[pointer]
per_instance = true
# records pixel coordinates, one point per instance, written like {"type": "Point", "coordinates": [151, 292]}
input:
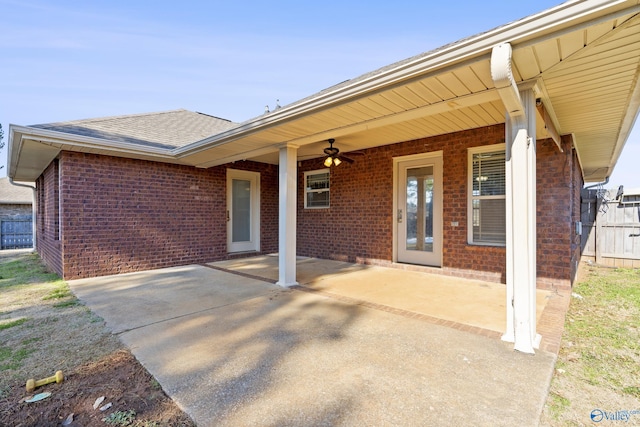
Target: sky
{"type": "Point", "coordinates": [66, 60]}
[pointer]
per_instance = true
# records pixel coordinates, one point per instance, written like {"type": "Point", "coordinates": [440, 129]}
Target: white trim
{"type": "Point", "coordinates": [306, 191]}
{"type": "Point", "coordinates": [470, 152]}
{"type": "Point", "coordinates": [503, 79]}
{"type": "Point", "coordinates": [396, 171]}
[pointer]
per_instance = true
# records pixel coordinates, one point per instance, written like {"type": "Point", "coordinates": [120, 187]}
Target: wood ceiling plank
{"type": "Point", "coordinates": [547, 54]}
{"type": "Point", "coordinates": [453, 84]}
{"type": "Point", "coordinates": [572, 43]}
{"type": "Point", "coordinates": [483, 71]}
{"type": "Point", "coordinates": [481, 112]}
{"type": "Point", "coordinates": [587, 79]}
{"type": "Point", "coordinates": [597, 31]}
{"type": "Point", "coordinates": [407, 93]}
{"type": "Point", "coordinates": [441, 91]}
{"type": "Point", "coordinates": [526, 62]}
{"type": "Point", "coordinates": [393, 97]}
{"type": "Point", "coordinates": [425, 93]}
{"type": "Point", "coordinates": [470, 79]}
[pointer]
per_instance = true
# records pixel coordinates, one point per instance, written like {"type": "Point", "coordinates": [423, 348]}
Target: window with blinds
{"type": "Point", "coordinates": [316, 189]}
{"type": "Point", "coordinates": [487, 214]}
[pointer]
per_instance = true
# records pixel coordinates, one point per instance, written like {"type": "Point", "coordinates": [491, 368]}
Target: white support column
{"type": "Point", "coordinates": [287, 216]}
{"type": "Point", "coordinates": [521, 226]}
{"type": "Point", "coordinates": [520, 170]}
{"type": "Point", "coordinates": [509, 334]}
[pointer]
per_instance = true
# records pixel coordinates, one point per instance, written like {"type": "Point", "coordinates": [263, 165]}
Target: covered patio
{"type": "Point", "coordinates": [567, 75]}
{"type": "Point", "coordinates": [231, 348]}
{"type": "Point", "coordinates": [468, 305]}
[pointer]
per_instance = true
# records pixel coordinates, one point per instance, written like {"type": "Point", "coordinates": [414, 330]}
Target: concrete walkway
{"type": "Point", "coordinates": [234, 350]}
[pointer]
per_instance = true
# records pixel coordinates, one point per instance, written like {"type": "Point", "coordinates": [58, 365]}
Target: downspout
{"type": "Point", "coordinates": [598, 205]}
{"type": "Point", "coordinates": [33, 208]}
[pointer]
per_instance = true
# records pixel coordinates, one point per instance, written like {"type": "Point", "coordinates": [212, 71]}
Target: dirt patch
{"type": "Point", "coordinates": [43, 329]}
{"type": "Point", "coordinates": [118, 377]}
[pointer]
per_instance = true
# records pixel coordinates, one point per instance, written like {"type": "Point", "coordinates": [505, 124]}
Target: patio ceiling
{"type": "Point", "coordinates": [583, 58]}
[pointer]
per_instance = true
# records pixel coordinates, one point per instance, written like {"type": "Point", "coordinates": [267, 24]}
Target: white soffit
{"type": "Point", "coordinates": [590, 80]}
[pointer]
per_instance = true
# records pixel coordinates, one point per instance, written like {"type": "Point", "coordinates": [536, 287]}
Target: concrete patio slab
{"type": "Point", "coordinates": [133, 300]}
{"type": "Point", "coordinates": [470, 302]}
{"type": "Point", "coordinates": [245, 352]}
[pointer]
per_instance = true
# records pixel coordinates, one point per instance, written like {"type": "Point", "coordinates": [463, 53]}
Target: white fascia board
{"type": "Point", "coordinates": [535, 26]}
{"type": "Point", "coordinates": [11, 163]}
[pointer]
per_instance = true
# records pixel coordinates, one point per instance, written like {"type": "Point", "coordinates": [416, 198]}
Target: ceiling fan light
{"type": "Point", "coordinates": [328, 161]}
{"type": "Point", "coordinates": [336, 161]}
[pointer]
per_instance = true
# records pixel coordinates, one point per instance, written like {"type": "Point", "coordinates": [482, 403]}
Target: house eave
{"type": "Point", "coordinates": [526, 30]}
{"type": "Point", "coordinates": [310, 121]}
{"type": "Point", "coordinates": [48, 144]}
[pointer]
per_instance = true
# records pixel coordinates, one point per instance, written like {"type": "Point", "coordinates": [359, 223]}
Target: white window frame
{"type": "Point", "coordinates": [308, 190]}
{"type": "Point", "coordinates": [471, 197]}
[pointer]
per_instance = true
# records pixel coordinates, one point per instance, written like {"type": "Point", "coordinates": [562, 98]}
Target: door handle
{"type": "Point", "coordinates": [228, 218]}
{"type": "Point", "coordinates": [399, 215]}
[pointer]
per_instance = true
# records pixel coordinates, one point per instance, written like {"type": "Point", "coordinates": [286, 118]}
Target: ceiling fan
{"type": "Point", "coordinates": [334, 158]}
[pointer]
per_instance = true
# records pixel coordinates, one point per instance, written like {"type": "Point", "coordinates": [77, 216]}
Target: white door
{"type": "Point", "coordinates": [419, 210]}
{"type": "Point", "coordinates": [243, 211]}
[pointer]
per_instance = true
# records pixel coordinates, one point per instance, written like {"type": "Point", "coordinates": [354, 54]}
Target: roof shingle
{"type": "Point", "coordinates": [13, 195]}
{"type": "Point", "coordinates": [167, 129]}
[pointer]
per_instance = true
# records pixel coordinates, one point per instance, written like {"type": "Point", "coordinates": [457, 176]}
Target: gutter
{"type": "Point", "coordinates": [33, 208]}
{"type": "Point", "coordinates": [603, 183]}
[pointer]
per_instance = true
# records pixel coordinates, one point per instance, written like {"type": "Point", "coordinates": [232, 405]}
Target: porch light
{"type": "Point", "coordinates": [334, 158]}
{"type": "Point", "coordinates": [329, 161]}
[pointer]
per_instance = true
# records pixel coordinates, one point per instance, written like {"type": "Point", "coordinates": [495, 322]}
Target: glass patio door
{"type": "Point", "coordinates": [243, 211]}
{"type": "Point", "coordinates": [419, 214]}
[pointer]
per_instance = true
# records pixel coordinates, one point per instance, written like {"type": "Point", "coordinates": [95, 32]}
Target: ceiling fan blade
{"type": "Point", "coordinates": [347, 159]}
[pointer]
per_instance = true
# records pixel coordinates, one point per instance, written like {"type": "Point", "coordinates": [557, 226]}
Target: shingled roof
{"type": "Point", "coordinates": [13, 195]}
{"type": "Point", "coordinates": [166, 129]}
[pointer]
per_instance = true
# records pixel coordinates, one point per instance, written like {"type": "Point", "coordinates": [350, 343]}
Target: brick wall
{"type": "Point", "coordinates": [358, 227]}
{"type": "Point", "coordinates": [47, 218]}
{"type": "Point", "coordinates": [558, 208]}
{"type": "Point", "coordinates": [120, 215]}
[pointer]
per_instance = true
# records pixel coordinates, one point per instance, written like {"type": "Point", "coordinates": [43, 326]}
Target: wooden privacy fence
{"type": "Point", "coordinates": [611, 227]}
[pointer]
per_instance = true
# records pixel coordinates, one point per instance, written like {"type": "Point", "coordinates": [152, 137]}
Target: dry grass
{"type": "Point", "coordinates": [598, 367]}
{"type": "Point", "coordinates": [43, 328]}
